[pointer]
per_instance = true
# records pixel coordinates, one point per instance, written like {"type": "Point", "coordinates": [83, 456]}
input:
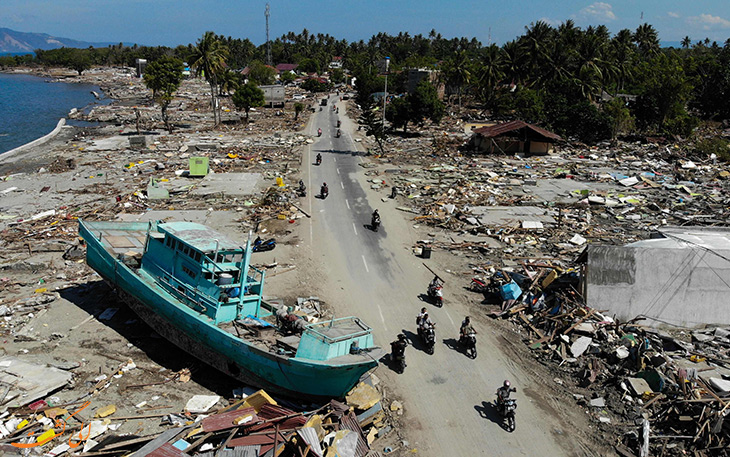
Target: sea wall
{"type": "Point", "coordinates": [7, 156]}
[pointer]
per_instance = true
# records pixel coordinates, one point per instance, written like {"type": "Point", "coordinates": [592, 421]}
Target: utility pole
{"type": "Point", "coordinates": [385, 96]}
{"type": "Point", "coordinates": [268, 43]}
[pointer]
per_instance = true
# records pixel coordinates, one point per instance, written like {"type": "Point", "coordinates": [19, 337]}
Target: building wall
{"type": "Point", "coordinates": [273, 95]}
{"type": "Point", "coordinates": [676, 286]}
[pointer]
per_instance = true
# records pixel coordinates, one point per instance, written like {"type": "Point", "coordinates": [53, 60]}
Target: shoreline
{"type": "Point", "coordinates": [16, 153]}
{"type": "Point", "coordinates": [11, 154]}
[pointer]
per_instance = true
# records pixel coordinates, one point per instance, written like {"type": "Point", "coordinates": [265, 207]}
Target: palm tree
{"type": "Point", "coordinates": [514, 62]}
{"type": "Point", "coordinates": [229, 82]}
{"type": "Point", "coordinates": [622, 51]}
{"type": "Point", "coordinates": [458, 72]}
{"type": "Point", "coordinates": [492, 64]}
{"type": "Point", "coordinates": [537, 43]}
{"type": "Point", "coordinates": [686, 42]}
{"type": "Point", "coordinates": [209, 59]}
{"type": "Point", "coordinates": [647, 39]}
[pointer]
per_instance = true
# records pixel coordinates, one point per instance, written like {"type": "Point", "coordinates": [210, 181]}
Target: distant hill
{"type": "Point", "coordinates": [13, 41]}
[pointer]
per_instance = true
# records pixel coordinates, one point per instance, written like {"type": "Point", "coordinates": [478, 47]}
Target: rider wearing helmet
{"type": "Point", "coordinates": [504, 391]}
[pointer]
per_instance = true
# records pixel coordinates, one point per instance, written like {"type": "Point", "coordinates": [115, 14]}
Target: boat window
{"type": "Point", "coordinates": [188, 271]}
{"type": "Point", "coordinates": [197, 256]}
{"type": "Point", "coordinates": [173, 243]}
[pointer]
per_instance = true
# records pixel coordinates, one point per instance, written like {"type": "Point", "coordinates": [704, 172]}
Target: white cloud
{"type": "Point", "coordinates": [709, 22]}
{"type": "Point", "coordinates": [598, 10]}
{"type": "Point", "coordinates": [672, 14]}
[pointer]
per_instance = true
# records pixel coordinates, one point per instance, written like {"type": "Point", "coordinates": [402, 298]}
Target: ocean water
{"type": "Point", "coordinates": [30, 107]}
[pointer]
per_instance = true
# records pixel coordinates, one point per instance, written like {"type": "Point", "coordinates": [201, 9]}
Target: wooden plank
{"type": "Point", "coordinates": [529, 324]}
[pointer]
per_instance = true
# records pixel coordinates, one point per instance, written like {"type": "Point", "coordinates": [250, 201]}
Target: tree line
{"type": "Point", "coordinates": [582, 83]}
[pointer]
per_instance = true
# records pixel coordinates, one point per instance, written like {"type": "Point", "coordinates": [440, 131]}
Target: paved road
{"type": "Point", "coordinates": [375, 276]}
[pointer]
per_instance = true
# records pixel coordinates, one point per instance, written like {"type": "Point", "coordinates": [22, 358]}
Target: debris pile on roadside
{"type": "Point", "coordinates": [663, 393]}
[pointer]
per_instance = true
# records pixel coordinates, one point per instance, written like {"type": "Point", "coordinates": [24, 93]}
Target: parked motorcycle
{"type": "Point", "coordinates": [436, 295]}
{"type": "Point", "coordinates": [260, 245]}
{"type": "Point", "coordinates": [470, 345]}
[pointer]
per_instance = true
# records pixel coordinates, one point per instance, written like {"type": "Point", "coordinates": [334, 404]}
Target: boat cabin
{"type": "Point", "coordinates": [204, 269]}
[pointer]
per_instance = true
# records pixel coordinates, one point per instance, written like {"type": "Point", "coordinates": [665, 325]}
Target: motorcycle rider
{"type": "Point", "coordinates": [375, 218]}
{"type": "Point", "coordinates": [319, 132]}
{"type": "Point", "coordinates": [302, 188]}
{"type": "Point", "coordinates": [319, 158]}
{"type": "Point", "coordinates": [425, 324]}
{"type": "Point", "coordinates": [466, 329]}
{"type": "Point", "coordinates": [324, 190]}
{"type": "Point", "coordinates": [398, 348]}
{"type": "Point", "coordinates": [420, 316]}
{"type": "Point", "coordinates": [435, 282]}
{"type": "Point", "coordinates": [503, 393]}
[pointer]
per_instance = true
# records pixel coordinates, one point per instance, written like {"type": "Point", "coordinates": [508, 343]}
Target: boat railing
{"type": "Point", "coordinates": [312, 329]}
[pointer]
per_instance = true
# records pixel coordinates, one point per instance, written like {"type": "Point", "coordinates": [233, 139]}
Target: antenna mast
{"type": "Point", "coordinates": [268, 43]}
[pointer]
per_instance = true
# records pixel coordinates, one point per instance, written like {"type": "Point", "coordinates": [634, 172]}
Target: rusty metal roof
{"type": "Point", "coordinates": [501, 129]}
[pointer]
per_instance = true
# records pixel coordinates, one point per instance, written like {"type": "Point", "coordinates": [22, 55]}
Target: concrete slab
{"type": "Point", "coordinates": [28, 381]}
{"type": "Point", "coordinates": [638, 386]}
{"type": "Point", "coordinates": [113, 143]}
{"type": "Point", "coordinates": [500, 215]}
{"type": "Point", "coordinates": [228, 184]}
{"type": "Point", "coordinates": [559, 190]}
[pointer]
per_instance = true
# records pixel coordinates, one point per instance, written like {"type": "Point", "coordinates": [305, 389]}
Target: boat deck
{"type": "Point", "coordinates": [121, 241]}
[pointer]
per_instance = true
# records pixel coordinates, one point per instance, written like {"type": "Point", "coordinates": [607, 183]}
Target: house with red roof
{"type": "Point", "coordinates": [514, 137]}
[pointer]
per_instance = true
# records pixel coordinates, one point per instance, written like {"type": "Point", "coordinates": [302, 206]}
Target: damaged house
{"type": "Point", "coordinates": [681, 276]}
{"type": "Point", "coordinates": [513, 137]}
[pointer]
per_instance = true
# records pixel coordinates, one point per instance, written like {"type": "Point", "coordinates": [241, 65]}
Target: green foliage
{"type": "Point", "coordinates": [248, 96]}
{"type": "Point", "coordinates": [308, 65]}
{"type": "Point", "coordinates": [425, 104]}
{"type": "Point", "coordinates": [208, 59]}
{"type": "Point", "coordinates": [664, 91]}
{"type": "Point", "coordinates": [315, 85]}
{"type": "Point", "coordinates": [619, 117]}
{"type": "Point", "coordinates": [337, 75]}
{"type": "Point", "coordinates": [164, 77]}
{"type": "Point", "coordinates": [298, 108]}
{"type": "Point", "coordinates": [717, 146]}
{"type": "Point", "coordinates": [261, 74]}
{"type": "Point", "coordinates": [372, 119]}
{"type": "Point", "coordinates": [399, 112]}
{"type": "Point", "coordinates": [287, 77]}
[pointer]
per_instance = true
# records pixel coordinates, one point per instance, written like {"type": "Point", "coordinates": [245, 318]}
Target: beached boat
{"type": "Point", "coordinates": [196, 287]}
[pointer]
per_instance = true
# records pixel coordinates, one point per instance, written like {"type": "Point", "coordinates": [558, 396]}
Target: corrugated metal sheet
{"type": "Point", "coordinates": [349, 422]}
{"type": "Point", "coordinates": [241, 451]}
{"type": "Point", "coordinates": [501, 129]}
{"type": "Point", "coordinates": [167, 450]}
{"type": "Point", "coordinates": [224, 421]}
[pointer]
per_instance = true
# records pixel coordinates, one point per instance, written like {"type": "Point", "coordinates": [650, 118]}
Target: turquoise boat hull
{"type": "Point", "coordinates": [197, 334]}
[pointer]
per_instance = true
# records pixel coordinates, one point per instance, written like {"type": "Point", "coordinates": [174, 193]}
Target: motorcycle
{"type": "Point", "coordinates": [338, 124]}
{"type": "Point", "coordinates": [436, 294]}
{"type": "Point", "coordinates": [470, 345]}
{"type": "Point", "coordinates": [428, 336]}
{"type": "Point", "coordinates": [319, 132]}
{"type": "Point", "coordinates": [324, 192]}
{"type": "Point", "coordinates": [338, 133]}
{"type": "Point", "coordinates": [319, 159]}
{"type": "Point", "coordinates": [507, 410]}
{"type": "Point", "coordinates": [260, 245]}
{"type": "Point", "coordinates": [302, 190]}
{"type": "Point", "coordinates": [375, 223]}
{"type": "Point", "coordinates": [398, 355]}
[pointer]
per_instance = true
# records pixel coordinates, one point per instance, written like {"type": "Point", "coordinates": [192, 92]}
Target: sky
{"type": "Point", "coordinates": [173, 22]}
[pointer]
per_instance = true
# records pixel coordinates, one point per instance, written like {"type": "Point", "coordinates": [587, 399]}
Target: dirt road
{"type": "Point", "coordinates": [447, 397]}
